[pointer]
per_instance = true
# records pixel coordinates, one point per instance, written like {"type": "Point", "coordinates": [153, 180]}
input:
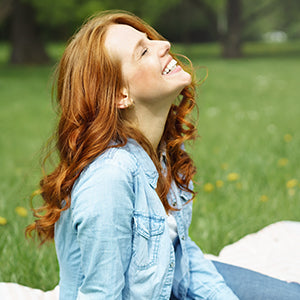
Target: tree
{"type": "Point", "coordinates": [5, 9]}
{"type": "Point", "coordinates": [26, 17]}
{"type": "Point", "coordinates": [27, 47]}
{"type": "Point", "coordinates": [230, 21]}
{"type": "Point", "coordinates": [231, 40]}
{"type": "Point", "coordinates": [243, 20]}
{"type": "Point", "coordinates": [189, 21]}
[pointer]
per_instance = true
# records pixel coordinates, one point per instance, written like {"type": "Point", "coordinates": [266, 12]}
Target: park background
{"type": "Point", "coordinates": [247, 155]}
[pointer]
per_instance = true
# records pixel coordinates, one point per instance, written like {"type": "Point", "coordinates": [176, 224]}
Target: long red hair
{"type": "Point", "coordinates": [88, 84]}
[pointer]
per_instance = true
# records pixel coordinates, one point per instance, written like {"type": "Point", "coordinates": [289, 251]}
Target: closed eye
{"type": "Point", "coordinates": [144, 51]}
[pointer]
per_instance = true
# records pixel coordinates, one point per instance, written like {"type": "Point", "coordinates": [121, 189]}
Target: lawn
{"type": "Point", "coordinates": [247, 155]}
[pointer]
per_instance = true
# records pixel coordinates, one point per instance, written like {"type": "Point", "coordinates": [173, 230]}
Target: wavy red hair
{"type": "Point", "coordinates": [88, 83]}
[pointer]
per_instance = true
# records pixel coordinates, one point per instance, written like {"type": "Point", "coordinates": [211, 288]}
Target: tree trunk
{"type": "Point", "coordinates": [5, 9]}
{"type": "Point", "coordinates": [232, 40]}
{"type": "Point", "coordinates": [27, 47]}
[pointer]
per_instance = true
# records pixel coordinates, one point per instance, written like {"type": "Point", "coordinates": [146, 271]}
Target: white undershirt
{"type": "Point", "coordinates": [172, 227]}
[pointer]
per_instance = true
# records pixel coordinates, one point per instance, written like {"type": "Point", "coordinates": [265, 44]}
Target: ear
{"type": "Point", "coordinates": [124, 101]}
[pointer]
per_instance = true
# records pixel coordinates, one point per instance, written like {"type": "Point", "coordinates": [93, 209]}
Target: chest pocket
{"type": "Point", "coordinates": [147, 237]}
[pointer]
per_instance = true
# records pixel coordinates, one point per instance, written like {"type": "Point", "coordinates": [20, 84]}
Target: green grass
{"type": "Point", "coordinates": [246, 108]}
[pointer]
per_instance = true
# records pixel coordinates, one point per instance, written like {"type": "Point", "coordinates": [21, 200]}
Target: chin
{"type": "Point", "coordinates": [186, 79]}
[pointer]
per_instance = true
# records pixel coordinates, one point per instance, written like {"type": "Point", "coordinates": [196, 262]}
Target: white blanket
{"type": "Point", "coordinates": [274, 251]}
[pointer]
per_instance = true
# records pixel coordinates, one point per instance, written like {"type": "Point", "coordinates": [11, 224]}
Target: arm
{"type": "Point", "coordinates": [204, 277]}
{"type": "Point", "coordinates": [102, 216]}
{"type": "Point", "coordinates": [205, 281]}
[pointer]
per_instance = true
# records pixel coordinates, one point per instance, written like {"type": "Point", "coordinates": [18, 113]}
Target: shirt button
{"type": "Point", "coordinates": [183, 237]}
{"type": "Point", "coordinates": [172, 264]}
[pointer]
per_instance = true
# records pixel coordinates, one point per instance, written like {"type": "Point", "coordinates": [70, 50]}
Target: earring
{"type": "Point", "coordinates": [126, 103]}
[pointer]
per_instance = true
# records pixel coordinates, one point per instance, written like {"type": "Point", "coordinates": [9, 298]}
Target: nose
{"type": "Point", "coordinates": [163, 48]}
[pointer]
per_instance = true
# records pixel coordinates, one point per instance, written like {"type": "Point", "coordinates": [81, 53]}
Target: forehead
{"type": "Point", "coordinates": [121, 39]}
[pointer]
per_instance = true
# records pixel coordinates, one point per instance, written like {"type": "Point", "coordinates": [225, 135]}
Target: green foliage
{"type": "Point", "coordinates": [149, 10]}
{"type": "Point", "coordinates": [200, 20]}
{"type": "Point", "coordinates": [270, 15]}
{"type": "Point", "coordinates": [60, 19]}
{"type": "Point", "coordinates": [56, 12]}
{"type": "Point", "coordinates": [248, 125]}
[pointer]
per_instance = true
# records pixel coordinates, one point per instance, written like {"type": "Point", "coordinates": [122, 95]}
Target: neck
{"type": "Point", "coordinates": [151, 123]}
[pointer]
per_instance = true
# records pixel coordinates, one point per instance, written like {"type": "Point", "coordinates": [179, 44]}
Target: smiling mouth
{"type": "Point", "coordinates": [170, 67]}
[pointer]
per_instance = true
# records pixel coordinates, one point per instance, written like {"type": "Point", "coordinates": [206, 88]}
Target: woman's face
{"type": "Point", "coordinates": [148, 69]}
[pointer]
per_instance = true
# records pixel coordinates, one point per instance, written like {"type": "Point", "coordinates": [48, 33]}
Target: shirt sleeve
{"type": "Point", "coordinates": [205, 281]}
{"type": "Point", "coordinates": [102, 211]}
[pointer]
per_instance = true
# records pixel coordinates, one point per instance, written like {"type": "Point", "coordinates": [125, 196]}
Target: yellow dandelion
{"type": "Point", "coordinates": [282, 162]}
{"type": "Point", "coordinates": [208, 187]}
{"type": "Point", "coordinates": [291, 192]}
{"type": "Point", "coordinates": [292, 183]}
{"type": "Point", "coordinates": [233, 176]}
{"type": "Point", "coordinates": [21, 211]}
{"type": "Point", "coordinates": [224, 166]}
{"type": "Point", "coordinates": [238, 185]}
{"type": "Point", "coordinates": [3, 221]}
{"type": "Point", "coordinates": [264, 198]}
{"type": "Point", "coordinates": [219, 183]}
{"type": "Point", "coordinates": [288, 137]}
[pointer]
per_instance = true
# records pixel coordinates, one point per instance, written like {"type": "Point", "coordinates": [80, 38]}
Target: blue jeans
{"type": "Point", "coordinates": [251, 285]}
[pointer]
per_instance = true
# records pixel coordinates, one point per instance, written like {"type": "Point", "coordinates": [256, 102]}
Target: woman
{"type": "Point", "coordinates": [119, 202]}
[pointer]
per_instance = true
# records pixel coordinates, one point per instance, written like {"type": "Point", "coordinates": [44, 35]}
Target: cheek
{"type": "Point", "coordinates": [143, 80]}
{"type": "Point", "coordinates": [137, 77]}
{"type": "Point", "coordinates": [146, 71]}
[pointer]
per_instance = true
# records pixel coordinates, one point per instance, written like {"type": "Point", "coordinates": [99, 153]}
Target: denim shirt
{"type": "Point", "coordinates": [113, 242]}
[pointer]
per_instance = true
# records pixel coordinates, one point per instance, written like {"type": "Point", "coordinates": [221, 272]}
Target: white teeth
{"type": "Point", "coordinates": [171, 66]}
